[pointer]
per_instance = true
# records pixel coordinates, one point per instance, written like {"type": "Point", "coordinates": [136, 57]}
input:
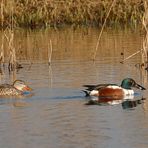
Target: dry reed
{"type": "Point", "coordinates": [97, 45]}
{"type": "Point", "coordinates": [144, 50]}
{"type": "Point", "coordinates": [2, 60]}
{"type": "Point", "coordinates": [42, 13]}
{"type": "Point", "coordinates": [144, 53]}
{"type": "Point", "coordinates": [2, 24]}
{"type": "Point", "coordinates": [145, 42]}
{"type": "Point", "coordinates": [131, 55]}
{"type": "Point", "coordinates": [12, 54]}
{"type": "Point", "coordinates": [9, 36]}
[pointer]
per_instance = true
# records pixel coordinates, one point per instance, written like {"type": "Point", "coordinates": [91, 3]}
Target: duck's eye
{"type": "Point", "coordinates": [131, 82]}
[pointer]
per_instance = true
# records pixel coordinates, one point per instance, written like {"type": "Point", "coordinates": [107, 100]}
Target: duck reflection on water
{"type": "Point", "coordinates": [127, 102]}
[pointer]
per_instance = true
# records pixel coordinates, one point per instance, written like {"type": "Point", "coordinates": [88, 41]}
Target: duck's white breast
{"type": "Point", "coordinates": [94, 93]}
{"type": "Point", "coordinates": [128, 92]}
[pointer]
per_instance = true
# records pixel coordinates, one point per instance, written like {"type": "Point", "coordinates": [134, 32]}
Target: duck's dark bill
{"type": "Point", "coordinates": [140, 87]}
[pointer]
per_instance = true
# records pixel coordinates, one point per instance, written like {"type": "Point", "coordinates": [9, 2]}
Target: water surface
{"type": "Point", "coordinates": [56, 116]}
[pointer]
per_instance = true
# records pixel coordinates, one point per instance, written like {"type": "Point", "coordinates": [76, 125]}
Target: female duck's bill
{"type": "Point", "coordinates": [18, 88]}
{"type": "Point", "coordinates": [113, 90]}
{"type": "Point", "coordinates": [21, 86]}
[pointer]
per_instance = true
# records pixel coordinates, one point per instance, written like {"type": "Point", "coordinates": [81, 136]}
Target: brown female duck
{"type": "Point", "coordinates": [16, 89]}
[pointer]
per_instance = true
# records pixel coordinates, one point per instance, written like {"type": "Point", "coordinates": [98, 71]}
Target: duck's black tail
{"type": "Point", "coordinates": [87, 93]}
{"type": "Point", "coordinates": [90, 87]}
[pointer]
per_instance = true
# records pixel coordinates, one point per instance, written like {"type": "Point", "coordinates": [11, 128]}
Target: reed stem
{"type": "Point", "coordinates": [2, 24]}
{"type": "Point", "coordinates": [2, 13]}
{"type": "Point", "coordinates": [132, 55]}
{"type": "Point", "coordinates": [98, 41]}
{"type": "Point", "coordinates": [145, 42]}
{"type": "Point", "coordinates": [2, 60]}
{"type": "Point", "coordinates": [50, 52]}
{"type": "Point", "coordinates": [12, 55]}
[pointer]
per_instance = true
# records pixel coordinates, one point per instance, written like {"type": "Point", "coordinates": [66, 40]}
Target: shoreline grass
{"type": "Point", "coordinates": [51, 13]}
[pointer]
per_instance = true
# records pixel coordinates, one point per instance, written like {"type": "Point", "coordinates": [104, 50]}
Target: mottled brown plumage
{"type": "Point", "coordinates": [16, 89]}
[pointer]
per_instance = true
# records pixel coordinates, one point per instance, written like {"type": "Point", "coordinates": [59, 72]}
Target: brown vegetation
{"type": "Point", "coordinates": [42, 13]}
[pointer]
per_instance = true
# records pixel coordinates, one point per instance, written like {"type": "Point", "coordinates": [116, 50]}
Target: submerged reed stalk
{"type": "Point", "coordinates": [50, 52]}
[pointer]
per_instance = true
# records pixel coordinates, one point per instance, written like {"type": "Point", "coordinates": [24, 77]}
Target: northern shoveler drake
{"type": "Point", "coordinates": [16, 89]}
{"type": "Point", "coordinates": [113, 91]}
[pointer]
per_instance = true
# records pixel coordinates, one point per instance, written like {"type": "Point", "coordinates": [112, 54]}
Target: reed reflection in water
{"type": "Point", "coordinates": [70, 43]}
{"type": "Point", "coordinates": [56, 116]}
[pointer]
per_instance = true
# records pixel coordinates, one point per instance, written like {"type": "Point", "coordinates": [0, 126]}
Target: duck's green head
{"type": "Point", "coordinates": [128, 83]}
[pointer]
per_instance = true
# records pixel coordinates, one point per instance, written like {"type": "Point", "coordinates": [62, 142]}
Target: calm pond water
{"type": "Point", "coordinates": [56, 115]}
